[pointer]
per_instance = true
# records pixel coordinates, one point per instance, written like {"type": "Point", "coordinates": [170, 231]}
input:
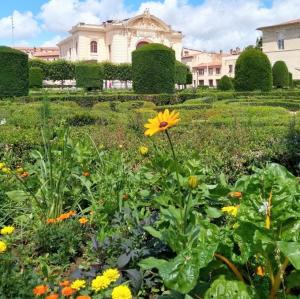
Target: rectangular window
{"type": "Point", "coordinates": [218, 71]}
{"type": "Point", "coordinates": [201, 72]}
{"type": "Point", "coordinates": [230, 68]}
{"type": "Point", "coordinates": [210, 71]}
{"type": "Point", "coordinates": [280, 40]}
{"type": "Point", "coordinates": [201, 82]}
{"type": "Point", "coordinates": [211, 83]}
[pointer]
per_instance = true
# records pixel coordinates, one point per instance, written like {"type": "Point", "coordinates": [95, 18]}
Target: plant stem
{"type": "Point", "coordinates": [231, 266]}
{"type": "Point", "coordinates": [278, 279]}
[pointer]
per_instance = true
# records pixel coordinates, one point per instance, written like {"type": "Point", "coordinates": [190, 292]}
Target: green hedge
{"type": "Point", "coordinates": [280, 74]}
{"type": "Point", "coordinates": [14, 77]}
{"type": "Point", "coordinates": [181, 71]}
{"type": "Point", "coordinates": [89, 76]}
{"type": "Point", "coordinates": [189, 78]}
{"type": "Point", "coordinates": [225, 83]}
{"type": "Point", "coordinates": [35, 77]}
{"type": "Point", "coordinates": [153, 68]}
{"type": "Point", "coordinates": [42, 64]}
{"type": "Point", "coordinates": [253, 71]}
{"type": "Point", "coordinates": [61, 70]}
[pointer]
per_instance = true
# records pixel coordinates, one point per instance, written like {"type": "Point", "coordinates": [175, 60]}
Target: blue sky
{"type": "Point", "coordinates": [206, 24]}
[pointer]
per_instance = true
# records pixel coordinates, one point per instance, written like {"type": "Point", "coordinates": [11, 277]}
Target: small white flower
{"type": "Point", "coordinates": [2, 121]}
{"type": "Point", "coordinates": [264, 207]}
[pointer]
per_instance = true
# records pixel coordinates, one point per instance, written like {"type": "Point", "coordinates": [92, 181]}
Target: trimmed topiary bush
{"type": "Point", "coordinates": [61, 70]}
{"type": "Point", "coordinates": [280, 74]}
{"type": "Point", "coordinates": [153, 69]}
{"type": "Point", "coordinates": [14, 78]}
{"type": "Point", "coordinates": [180, 73]}
{"type": "Point", "coordinates": [42, 64]}
{"type": "Point", "coordinates": [225, 83]}
{"type": "Point", "coordinates": [35, 77]}
{"type": "Point", "coordinates": [253, 71]}
{"type": "Point", "coordinates": [89, 76]}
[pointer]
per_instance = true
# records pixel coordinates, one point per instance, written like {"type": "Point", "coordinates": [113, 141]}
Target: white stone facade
{"type": "Point", "coordinates": [114, 41]}
{"type": "Point", "coordinates": [282, 42]}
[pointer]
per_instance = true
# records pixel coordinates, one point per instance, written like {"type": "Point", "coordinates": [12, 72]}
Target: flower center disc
{"type": "Point", "coordinates": [163, 124]}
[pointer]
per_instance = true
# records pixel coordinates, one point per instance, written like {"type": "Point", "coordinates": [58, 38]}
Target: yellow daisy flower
{"type": "Point", "coordinates": [143, 150]}
{"type": "Point", "coordinates": [3, 247]}
{"type": "Point", "coordinates": [100, 283]}
{"type": "Point", "coordinates": [193, 181]}
{"type": "Point", "coordinates": [232, 210]}
{"type": "Point", "coordinates": [2, 165]}
{"type": "Point", "coordinates": [112, 274]}
{"type": "Point", "coordinates": [78, 284]}
{"type": "Point", "coordinates": [162, 122]}
{"type": "Point", "coordinates": [7, 230]}
{"type": "Point", "coordinates": [121, 292]}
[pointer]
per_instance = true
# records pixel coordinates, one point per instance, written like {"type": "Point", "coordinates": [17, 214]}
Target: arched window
{"type": "Point", "coordinates": [94, 47]}
{"type": "Point", "coordinates": [142, 43]}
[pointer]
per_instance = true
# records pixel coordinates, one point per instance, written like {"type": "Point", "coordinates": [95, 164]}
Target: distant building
{"type": "Point", "coordinates": [44, 53]}
{"type": "Point", "coordinates": [114, 41]}
{"type": "Point", "coordinates": [209, 67]}
{"type": "Point", "coordinates": [282, 42]}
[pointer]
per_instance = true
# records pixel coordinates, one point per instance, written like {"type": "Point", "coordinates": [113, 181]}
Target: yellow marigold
{"type": "Point", "coordinates": [232, 210]}
{"type": "Point", "coordinates": [163, 121]}
{"type": "Point", "coordinates": [121, 292]}
{"type": "Point", "coordinates": [7, 230]}
{"type": "Point", "coordinates": [78, 284]}
{"type": "Point", "coordinates": [40, 290]}
{"type": "Point", "coordinates": [83, 220]}
{"type": "Point", "coordinates": [2, 165]}
{"type": "Point", "coordinates": [3, 247]}
{"type": "Point", "coordinates": [260, 271]}
{"type": "Point", "coordinates": [143, 150]}
{"type": "Point", "coordinates": [6, 170]}
{"type": "Point", "coordinates": [235, 194]}
{"type": "Point", "coordinates": [112, 274]}
{"type": "Point", "coordinates": [193, 181]}
{"type": "Point", "coordinates": [100, 283]}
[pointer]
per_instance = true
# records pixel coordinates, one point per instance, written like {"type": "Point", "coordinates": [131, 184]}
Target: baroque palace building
{"type": "Point", "coordinates": [114, 41]}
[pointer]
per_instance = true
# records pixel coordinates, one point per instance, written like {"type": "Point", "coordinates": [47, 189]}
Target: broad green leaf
{"type": "Point", "coordinates": [227, 289]}
{"type": "Point", "coordinates": [181, 274]}
{"type": "Point", "coordinates": [17, 195]}
{"type": "Point", "coordinates": [292, 251]}
{"type": "Point", "coordinates": [293, 280]}
{"type": "Point", "coordinates": [153, 232]}
{"type": "Point", "coordinates": [213, 212]}
{"type": "Point", "coordinates": [151, 262]}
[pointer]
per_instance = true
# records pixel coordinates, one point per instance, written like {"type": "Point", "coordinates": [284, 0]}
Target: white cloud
{"type": "Point", "coordinates": [61, 15]}
{"type": "Point", "coordinates": [219, 24]}
{"type": "Point", "coordinates": [25, 26]}
{"type": "Point", "coordinates": [52, 42]}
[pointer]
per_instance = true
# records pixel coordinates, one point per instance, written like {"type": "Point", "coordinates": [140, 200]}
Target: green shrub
{"type": "Point", "coordinates": [180, 73]}
{"type": "Point", "coordinates": [89, 76]}
{"type": "Point", "coordinates": [14, 78]}
{"type": "Point", "coordinates": [280, 74]}
{"type": "Point", "coordinates": [153, 67]}
{"type": "Point", "coordinates": [61, 70]}
{"type": "Point", "coordinates": [189, 78]}
{"type": "Point", "coordinates": [291, 81]}
{"type": "Point", "coordinates": [225, 83]}
{"type": "Point", "coordinates": [35, 77]}
{"type": "Point", "coordinates": [80, 120]}
{"type": "Point", "coordinates": [253, 71]}
{"type": "Point", "coordinates": [42, 64]}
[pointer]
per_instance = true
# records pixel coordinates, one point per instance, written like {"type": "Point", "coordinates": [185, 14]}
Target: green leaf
{"type": "Point", "coordinates": [227, 289]}
{"type": "Point", "coordinates": [17, 195]}
{"type": "Point", "coordinates": [213, 212]}
{"type": "Point", "coordinates": [151, 262]}
{"type": "Point", "coordinates": [292, 251]}
{"type": "Point", "coordinates": [181, 274]}
{"type": "Point", "coordinates": [153, 232]}
{"type": "Point", "coordinates": [293, 279]}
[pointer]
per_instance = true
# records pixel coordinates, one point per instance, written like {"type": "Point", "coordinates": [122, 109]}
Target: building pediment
{"type": "Point", "coordinates": [148, 22]}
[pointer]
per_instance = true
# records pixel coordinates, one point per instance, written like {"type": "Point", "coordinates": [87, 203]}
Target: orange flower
{"type": "Point", "coordinates": [67, 291]}
{"type": "Point", "coordinates": [260, 271]}
{"type": "Point", "coordinates": [83, 220]}
{"type": "Point", "coordinates": [235, 194]}
{"type": "Point", "coordinates": [83, 297]}
{"type": "Point", "coordinates": [72, 213]}
{"type": "Point", "coordinates": [51, 220]}
{"type": "Point", "coordinates": [40, 290]}
{"type": "Point", "coordinates": [63, 216]}
{"type": "Point", "coordinates": [64, 283]}
{"type": "Point", "coordinates": [25, 174]}
{"type": "Point", "coordinates": [52, 296]}
{"type": "Point", "coordinates": [86, 173]}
